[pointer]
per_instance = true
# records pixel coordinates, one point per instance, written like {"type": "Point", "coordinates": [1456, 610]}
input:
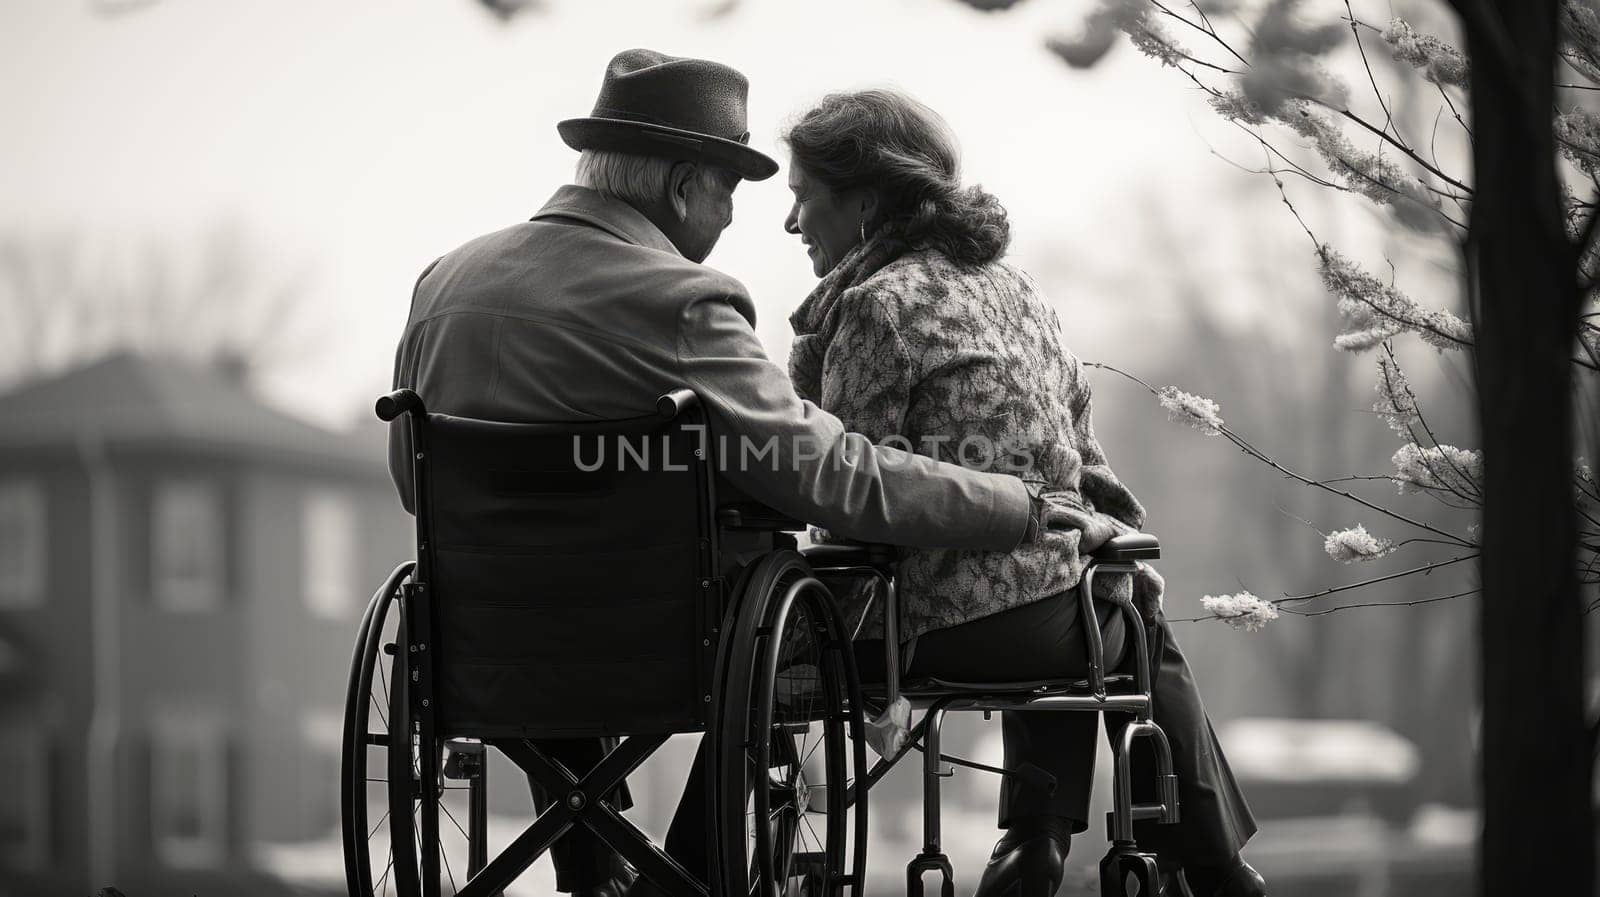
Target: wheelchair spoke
{"type": "Point", "coordinates": [445, 856]}
{"type": "Point", "coordinates": [386, 870]}
{"type": "Point", "coordinates": [793, 731]}
{"type": "Point", "coordinates": [816, 838]}
{"type": "Point", "coordinates": [821, 737]}
{"type": "Point", "coordinates": [383, 681]}
{"type": "Point", "coordinates": [381, 820]}
{"type": "Point", "coordinates": [453, 819]}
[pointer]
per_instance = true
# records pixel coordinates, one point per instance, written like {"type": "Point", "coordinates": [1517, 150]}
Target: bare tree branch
{"type": "Point", "coordinates": [1425, 568]}
{"type": "Point", "coordinates": [1388, 117]}
{"type": "Point", "coordinates": [1256, 453]}
{"type": "Point", "coordinates": [1332, 610]}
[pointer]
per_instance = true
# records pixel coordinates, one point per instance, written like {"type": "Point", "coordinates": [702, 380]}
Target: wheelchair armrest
{"type": "Point", "coordinates": [870, 554]}
{"type": "Point", "coordinates": [1132, 547]}
{"type": "Point", "coordinates": [397, 403]}
{"type": "Point", "coordinates": [674, 403]}
{"type": "Point", "coordinates": [755, 516]}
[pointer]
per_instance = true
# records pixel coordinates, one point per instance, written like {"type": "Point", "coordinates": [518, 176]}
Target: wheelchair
{"type": "Point", "coordinates": [555, 597]}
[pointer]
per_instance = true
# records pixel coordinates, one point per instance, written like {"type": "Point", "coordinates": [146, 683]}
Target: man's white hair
{"type": "Point", "coordinates": [634, 178]}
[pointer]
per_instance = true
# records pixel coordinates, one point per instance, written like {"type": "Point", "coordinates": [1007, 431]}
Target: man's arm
{"type": "Point", "coordinates": [798, 459]}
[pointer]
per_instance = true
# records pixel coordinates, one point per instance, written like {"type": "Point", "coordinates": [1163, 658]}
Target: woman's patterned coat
{"type": "Point", "coordinates": [966, 363]}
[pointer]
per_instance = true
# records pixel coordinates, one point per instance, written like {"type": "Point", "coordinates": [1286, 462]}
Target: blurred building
{"type": "Point", "coordinates": [181, 574]}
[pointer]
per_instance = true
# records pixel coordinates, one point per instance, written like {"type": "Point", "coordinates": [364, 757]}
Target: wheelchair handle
{"type": "Point", "coordinates": [675, 403]}
{"type": "Point", "coordinates": [397, 403]}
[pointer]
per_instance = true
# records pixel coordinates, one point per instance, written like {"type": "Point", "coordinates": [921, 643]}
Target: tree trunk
{"type": "Point", "coordinates": [1538, 834]}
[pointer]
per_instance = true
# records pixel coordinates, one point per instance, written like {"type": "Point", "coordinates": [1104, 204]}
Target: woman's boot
{"type": "Point", "coordinates": [1234, 878]}
{"type": "Point", "coordinates": [1029, 860]}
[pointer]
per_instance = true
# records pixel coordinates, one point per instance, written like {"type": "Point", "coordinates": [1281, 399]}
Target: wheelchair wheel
{"type": "Point", "coordinates": [790, 741]}
{"type": "Point", "coordinates": [381, 806]}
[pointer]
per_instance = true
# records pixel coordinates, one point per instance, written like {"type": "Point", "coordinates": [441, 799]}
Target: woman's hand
{"type": "Point", "coordinates": [1062, 510]}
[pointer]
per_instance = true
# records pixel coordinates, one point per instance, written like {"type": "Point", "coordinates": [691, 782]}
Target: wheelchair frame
{"type": "Point", "coordinates": [1125, 868]}
{"type": "Point", "coordinates": [582, 798]}
{"type": "Point", "coordinates": [738, 671]}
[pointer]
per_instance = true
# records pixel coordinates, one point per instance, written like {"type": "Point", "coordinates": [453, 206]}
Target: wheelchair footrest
{"type": "Point", "coordinates": [1140, 813]}
{"type": "Point", "coordinates": [930, 862]}
{"type": "Point", "coordinates": [1127, 871]}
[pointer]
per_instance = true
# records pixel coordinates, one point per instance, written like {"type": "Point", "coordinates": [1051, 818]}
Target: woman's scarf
{"type": "Point", "coordinates": [816, 319]}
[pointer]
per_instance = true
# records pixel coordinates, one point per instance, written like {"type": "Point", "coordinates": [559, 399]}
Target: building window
{"type": "Point", "coordinates": [22, 543]}
{"type": "Point", "coordinates": [329, 548]}
{"type": "Point", "coordinates": [25, 812]}
{"type": "Point", "coordinates": [188, 792]}
{"type": "Point", "coordinates": [187, 546]}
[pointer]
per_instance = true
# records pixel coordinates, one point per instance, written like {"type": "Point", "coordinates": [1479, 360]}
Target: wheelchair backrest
{"type": "Point", "coordinates": [568, 566]}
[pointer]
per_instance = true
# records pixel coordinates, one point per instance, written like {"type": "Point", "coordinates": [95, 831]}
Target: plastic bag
{"type": "Point", "coordinates": [886, 733]}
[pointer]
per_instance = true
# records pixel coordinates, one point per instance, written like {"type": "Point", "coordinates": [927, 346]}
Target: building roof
{"type": "Point", "coordinates": [132, 401]}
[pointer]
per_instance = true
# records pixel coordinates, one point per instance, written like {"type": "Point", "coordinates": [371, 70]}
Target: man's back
{"type": "Point", "coordinates": [588, 312]}
{"type": "Point", "coordinates": [554, 319]}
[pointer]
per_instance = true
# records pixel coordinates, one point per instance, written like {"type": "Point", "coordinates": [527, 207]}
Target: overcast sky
{"type": "Point", "coordinates": [359, 139]}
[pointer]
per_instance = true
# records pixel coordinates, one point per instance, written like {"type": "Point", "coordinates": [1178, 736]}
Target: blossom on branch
{"type": "Point", "coordinates": [1578, 137]}
{"type": "Point", "coordinates": [1372, 310]}
{"type": "Point", "coordinates": [1364, 330]}
{"type": "Point", "coordinates": [1589, 335]}
{"type": "Point", "coordinates": [1235, 106]}
{"type": "Point", "coordinates": [1196, 411]}
{"type": "Point", "coordinates": [1378, 178]}
{"type": "Point", "coordinates": [1438, 61]}
{"type": "Point", "coordinates": [1375, 311]}
{"type": "Point", "coordinates": [1443, 468]}
{"type": "Point", "coordinates": [1574, 210]}
{"type": "Point", "coordinates": [1589, 264]}
{"type": "Point", "coordinates": [1356, 544]}
{"type": "Point", "coordinates": [1580, 38]}
{"type": "Point", "coordinates": [1242, 611]}
{"type": "Point", "coordinates": [1444, 330]}
{"type": "Point", "coordinates": [1133, 18]}
{"type": "Point", "coordinates": [1284, 65]}
{"type": "Point", "coordinates": [1280, 30]}
{"type": "Point", "coordinates": [1284, 55]}
{"type": "Point", "coordinates": [1396, 404]}
{"type": "Point", "coordinates": [1153, 41]}
{"type": "Point", "coordinates": [1098, 32]}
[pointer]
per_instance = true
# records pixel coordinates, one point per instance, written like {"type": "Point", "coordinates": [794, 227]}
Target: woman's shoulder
{"type": "Point", "coordinates": [927, 280]}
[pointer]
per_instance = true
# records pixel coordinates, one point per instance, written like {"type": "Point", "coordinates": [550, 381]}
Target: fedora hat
{"type": "Point", "coordinates": [659, 105]}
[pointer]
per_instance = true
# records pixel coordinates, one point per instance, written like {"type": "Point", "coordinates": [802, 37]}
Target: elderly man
{"type": "Point", "coordinates": [599, 304]}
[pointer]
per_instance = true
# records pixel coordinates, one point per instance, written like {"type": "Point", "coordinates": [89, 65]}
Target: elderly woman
{"type": "Point", "coordinates": [918, 332]}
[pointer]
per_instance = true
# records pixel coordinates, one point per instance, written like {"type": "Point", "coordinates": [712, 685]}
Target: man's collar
{"type": "Point", "coordinates": [610, 215]}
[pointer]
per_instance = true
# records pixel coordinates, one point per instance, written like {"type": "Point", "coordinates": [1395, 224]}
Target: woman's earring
{"type": "Point", "coordinates": [863, 230]}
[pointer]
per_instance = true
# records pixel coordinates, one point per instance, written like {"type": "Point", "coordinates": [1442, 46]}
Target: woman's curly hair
{"type": "Point", "coordinates": [888, 141]}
